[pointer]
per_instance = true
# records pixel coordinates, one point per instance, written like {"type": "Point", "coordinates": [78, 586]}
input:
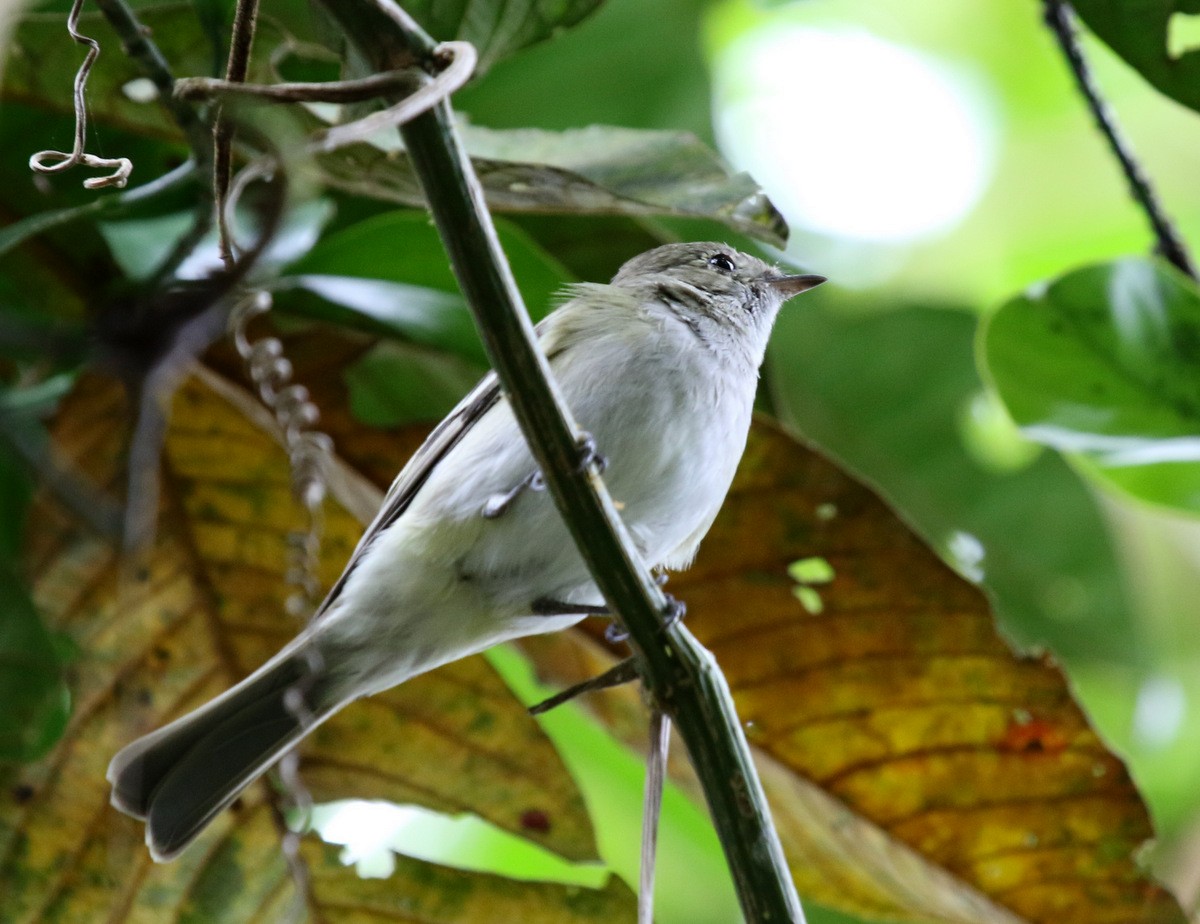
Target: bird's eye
{"type": "Point", "coordinates": [722, 262]}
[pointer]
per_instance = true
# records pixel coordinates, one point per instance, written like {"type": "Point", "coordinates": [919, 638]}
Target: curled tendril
{"type": "Point", "coordinates": [47, 162]}
{"type": "Point", "coordinates": [308, 450]}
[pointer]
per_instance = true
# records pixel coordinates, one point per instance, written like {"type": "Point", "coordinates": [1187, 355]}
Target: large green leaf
{"type": "Point", "coordinates": [389, 274]}
{"type": "Point", "coordinates": [889, 395]}
{"type": "Point", "coordinates": [1140, 33]}
{"type": "Point", "coordinates": [497, 28]}
{"type": "Point", "coordinates": [1103, 361]}
{"type": "Point", "coordinates": [595, 170]}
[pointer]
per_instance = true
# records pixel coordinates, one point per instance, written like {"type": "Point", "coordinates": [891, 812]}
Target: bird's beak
{"type": "Point", "coordinates": [787, 286]}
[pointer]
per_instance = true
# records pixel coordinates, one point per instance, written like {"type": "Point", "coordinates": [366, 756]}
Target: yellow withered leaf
{"type": "Point", "coordinates": [203, 607]}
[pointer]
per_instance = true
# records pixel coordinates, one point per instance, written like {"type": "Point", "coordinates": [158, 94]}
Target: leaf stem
{"type": "Point", "coordinates": [680, 674]}
{"type": "Point", "coordinates": [1061, 21]}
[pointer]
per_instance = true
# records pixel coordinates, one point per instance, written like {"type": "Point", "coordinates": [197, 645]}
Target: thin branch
{"type": "Point", "coordinates": [245, 19]}
{"type": "Point", "coordinates": [1061, 21]}
{"type": "Point", "coordinates": [136, 41]}
{"type": "Point", "coordinates": [682, 677]}
{"type": "Point", "coordinates": [456, 60]}
{"type": "Point", "coordinates": [332, 91]}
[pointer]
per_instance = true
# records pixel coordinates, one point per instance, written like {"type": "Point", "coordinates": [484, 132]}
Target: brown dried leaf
{"type": "Point", "coordinates": [204, 607]}
{"type": "Point", "coordinates": [917, 768]}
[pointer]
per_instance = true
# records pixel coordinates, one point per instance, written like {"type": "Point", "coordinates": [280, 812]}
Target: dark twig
{"type": "Point", "coordinates": [457, 60]}
{"type": "Point", "coordinates": [339, 91]}
{"type": "Point", "coordinates": [1060, 18]}
{"type": "Point", "coordinates": [245, 18]}
{"type": "Point", "coordinates": [153, 344]}
{"type": "Point", "coordinates": [136, 41]}
{"type": "Point", "coordinates": [682, 677]}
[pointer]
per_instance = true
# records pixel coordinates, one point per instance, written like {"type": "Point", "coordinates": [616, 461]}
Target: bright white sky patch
{"type": "Point", "coordinates": [1159, 712]}
{"type": "Point", "coordinates": [853, 136]}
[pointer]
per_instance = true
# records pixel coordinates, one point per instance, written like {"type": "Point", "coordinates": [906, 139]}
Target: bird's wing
{"type": "Point", "coordinates": [486, 395]}
{"type": "Point", "coordinates": [445, 436]}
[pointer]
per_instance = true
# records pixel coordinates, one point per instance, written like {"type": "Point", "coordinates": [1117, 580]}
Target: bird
{"type": "Point", "coordinates": [659, 366]}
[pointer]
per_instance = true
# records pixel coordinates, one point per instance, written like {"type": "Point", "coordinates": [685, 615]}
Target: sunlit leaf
{"type": "Point", "coordinates": [497, 28]}
{"type": "Point", "coordinates": [1141, 34]}
{"type": "Point", "coordinates": [423, 892]}
{"type": "Point", "coordinates": [1102, 361]}
{"type": "Point", "coordinates": [205, 606]}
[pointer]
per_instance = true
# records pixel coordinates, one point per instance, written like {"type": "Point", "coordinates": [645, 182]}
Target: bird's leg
{"type": "Point", "coordinates": [497, 504]}
{"type": "Point", "coordinates": [545, 606]}
{"type": "Point", "coordinates": [619, 673]}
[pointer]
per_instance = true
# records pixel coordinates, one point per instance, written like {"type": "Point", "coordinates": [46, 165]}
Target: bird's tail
{"type": "Point", "coordinates": [180, 777]}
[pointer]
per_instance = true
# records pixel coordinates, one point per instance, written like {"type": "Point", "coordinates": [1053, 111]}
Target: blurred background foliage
{"type": "Point", "coordinates": [936, 161]}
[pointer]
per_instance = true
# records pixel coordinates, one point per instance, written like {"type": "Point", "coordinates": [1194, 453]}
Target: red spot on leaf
{"type": "Point", "coordinates": [535, 820]}
{"type": "Point", "coordinates": [1033, 736]}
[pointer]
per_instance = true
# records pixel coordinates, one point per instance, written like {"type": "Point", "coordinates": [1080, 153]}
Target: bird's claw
{"type": "Point", "coordinates": [614, 634]}
{"type": "Point", "coordinates": [589, 453]}
{"type": "Point", "coordinates": [673, 612]}
{"type": "Point", "coordinates": [498, 504]}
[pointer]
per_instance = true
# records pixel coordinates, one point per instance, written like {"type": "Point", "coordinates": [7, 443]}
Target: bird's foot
{"type": "Point", "coordinates": [673, 612]}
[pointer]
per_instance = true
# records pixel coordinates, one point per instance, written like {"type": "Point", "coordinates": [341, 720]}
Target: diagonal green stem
{"type": "Point", "coordinates": [681, 675]}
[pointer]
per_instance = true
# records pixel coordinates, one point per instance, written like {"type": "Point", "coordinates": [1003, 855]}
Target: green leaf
{"type": "Point", "coordinates": [396, 384]}
{"type": "Point", "coordinates": [595, 170]}
{"type": "Point", "coordinates": [1140, 33]}
{"type": "Point", "coordinates": [35, 697]}
{"type": "Point", "coordinates": [1103, 361]}
{"type": "Point", "coordinates": [390, 275]}
{"type": "Point", "coordinates": [497, 28]}
{"type": "Point", "coordinates": [886, 394]}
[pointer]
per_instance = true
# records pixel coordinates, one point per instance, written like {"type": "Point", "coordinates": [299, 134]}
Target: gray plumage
{"type": "Point", "coordinates": [660, 366]}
